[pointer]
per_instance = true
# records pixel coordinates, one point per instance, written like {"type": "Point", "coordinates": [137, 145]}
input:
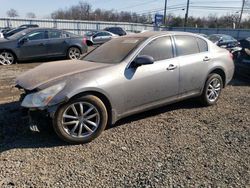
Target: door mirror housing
{"type": "Point", "coordinates": [23, 40]}
{"type": "Point", "coordinates": [143, 60]}
{"type": "Point", "coordinates": [220, 41]}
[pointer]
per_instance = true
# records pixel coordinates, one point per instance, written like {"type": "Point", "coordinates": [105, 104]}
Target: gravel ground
{"type": "Point", "coordinates": [181, 145]}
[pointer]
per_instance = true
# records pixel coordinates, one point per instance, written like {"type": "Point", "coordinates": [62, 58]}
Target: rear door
{"type": "Point", "coordinates": [194, 57]}
{"type": "Point", "coordinates": [35, 45]}
{"type": "Point", "coordinates": [57, 43]}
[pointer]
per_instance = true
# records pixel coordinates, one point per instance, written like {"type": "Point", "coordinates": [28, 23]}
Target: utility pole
{"type": "Point", "coordinates": [241, 12]}
{"type": "Point", "coordinates": [186, 15]}
{"type": "Point", "coordinates": [165, 12]}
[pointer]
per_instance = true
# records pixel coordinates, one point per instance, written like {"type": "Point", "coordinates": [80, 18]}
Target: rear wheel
{"type": "Point", "coordinates": [74, 53]}
{"type": "Point", "coordinates": [81, 120]}
{"type": "Point", "coordinates": [212, 90]}
{"type": "Point", "coordinates": [7, 58]}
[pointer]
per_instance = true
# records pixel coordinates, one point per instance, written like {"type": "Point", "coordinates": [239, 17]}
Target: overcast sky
{"type": "Point", "coordinates": [43, 8]}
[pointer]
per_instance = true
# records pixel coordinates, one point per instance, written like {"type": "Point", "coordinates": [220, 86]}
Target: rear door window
{"type": "Point", "coordinates": [54, 34]}
{"type": "Point", "coordinates": [160, 49]}
{"type": "Point", "coordinates": [186, 45]}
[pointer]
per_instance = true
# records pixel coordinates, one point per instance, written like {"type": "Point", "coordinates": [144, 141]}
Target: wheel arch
{"type": "Point", "coordinates": [89, 43]}
{"type": "Point", "coordinates": [220, 71]}
{"type": "Point", "coordinates": [102, 97]}
{"type": "Point", "coordinates": [76, 46]}
{"type": "Point", "coordinates": [9, 50]}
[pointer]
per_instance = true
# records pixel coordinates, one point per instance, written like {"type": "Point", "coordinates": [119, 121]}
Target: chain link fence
{"type": "Point", "coordinates": [80, 27]}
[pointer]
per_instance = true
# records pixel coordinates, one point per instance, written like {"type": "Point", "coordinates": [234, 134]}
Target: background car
{"type": "Point", "coordinates": [34, 43]}
{"type": "Point", "coordinates": [203, 35]}
{"type": "Point", "coordinates": [242, 63]}
{"type": "Point", "coordinates": [98, 37]}
{"type": "Point", "coordinates": [18, 29]}
{"type": "Point", "coordinates": [4, 30]}
{"type": "Point", "coordinates": [124, 76]}
{"type": "Point", "coordinates": [116, 30]}
{"type": "Point", "coordinates": [224, 41]}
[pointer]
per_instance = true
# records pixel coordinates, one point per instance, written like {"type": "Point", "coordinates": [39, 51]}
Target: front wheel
{"type": "Point", "coordinates": [7, 58]}
{"type": "Point", "coordinates": [74, 53]}
{"type": "Point", "coordinates": [81, 120]}
{"type": "Point", "coordinates": [212, 90]}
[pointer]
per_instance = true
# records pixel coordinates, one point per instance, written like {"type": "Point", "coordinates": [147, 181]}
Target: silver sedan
{"type": "Point", "coordinates": [98, 37]}
{"type": "Point", "coordinates": [125, 76]}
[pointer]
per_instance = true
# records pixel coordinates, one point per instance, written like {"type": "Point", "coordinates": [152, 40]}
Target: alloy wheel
{"type": "Point", "coordinates": [214, 89]}
{"type": "Point", "coordinates": [74, 53]}
{"type": "Point", "coordinates": [80, 119]}
{"type": "Point", "coordinates": [6, 58]}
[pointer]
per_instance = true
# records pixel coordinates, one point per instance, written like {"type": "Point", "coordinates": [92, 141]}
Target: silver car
{"type": "Point", "coordinates": [125, 76]}
{"type": "Point", "coordinates": [98, 37]}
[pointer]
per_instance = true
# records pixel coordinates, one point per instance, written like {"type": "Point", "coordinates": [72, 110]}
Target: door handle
{"type": "Point", "coordinates": [41, 44]}
{"type": "Point", "coordinates": [172, 67]}
{"type": "Point", "coordinates": [206, 59]}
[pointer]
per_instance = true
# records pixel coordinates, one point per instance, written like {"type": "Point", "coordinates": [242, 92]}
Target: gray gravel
{"type": "Point", "coordinates": [182, 145]}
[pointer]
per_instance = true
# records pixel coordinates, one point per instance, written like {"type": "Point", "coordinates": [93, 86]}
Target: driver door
{"type": "Point", "coordinates": [34, 46]}
{"type": "Point", "coordinates": [155, 83]}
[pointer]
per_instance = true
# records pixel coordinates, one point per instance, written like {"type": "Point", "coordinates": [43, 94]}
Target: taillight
{"type": "Point", "coordinates": [231, 55]}
{"type": "Point", "coordinates": [84, 40]}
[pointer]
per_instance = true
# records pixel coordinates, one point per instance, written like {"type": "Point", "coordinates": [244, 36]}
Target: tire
{"type": "Point", "coordinates": [69, 131]}
{"type": "Point", "coordinates": [212, 90]}
{"type": "Point", "coordinates": [74, 53]}
{"type": "Point", "coordinates": [7, 58]}
{"type": "Point", "coordinates": [89, 43]}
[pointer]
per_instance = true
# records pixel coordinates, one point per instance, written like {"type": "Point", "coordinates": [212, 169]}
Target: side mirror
{"type": "Point", "coordinates": [143, 60]}
{"type": "Point", "coordinates": [220, 41]}
{"type": "Point", "coordinates": [23, 40]}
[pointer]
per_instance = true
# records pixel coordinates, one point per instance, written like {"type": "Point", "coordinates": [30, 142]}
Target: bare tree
{"type": "Point", "coordinates": [12, 13]}
{"type": "Point", "coordinates": [30, 15]}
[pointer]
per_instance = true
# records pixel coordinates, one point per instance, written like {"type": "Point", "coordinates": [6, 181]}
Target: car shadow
{"type": "Point", "coordinates": [240, 80]}
{"type": "Point", "coordinates": [15, 132]}
{"type": "Point", "coordinates": [186, 104]}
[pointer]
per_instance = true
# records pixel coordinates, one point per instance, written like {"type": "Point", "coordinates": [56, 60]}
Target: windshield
{"type": "Point", "coordinates": [17, 35]}
{"type": "Point", "coordinates": [114, 51]}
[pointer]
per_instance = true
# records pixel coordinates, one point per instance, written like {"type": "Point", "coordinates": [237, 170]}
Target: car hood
{"type": "Point", "coordinates": [52, 71]}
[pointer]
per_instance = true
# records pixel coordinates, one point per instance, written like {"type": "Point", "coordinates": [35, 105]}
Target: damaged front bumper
{"type": "Point", "coordinates": [37, 118]}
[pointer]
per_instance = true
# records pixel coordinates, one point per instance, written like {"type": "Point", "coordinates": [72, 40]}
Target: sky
{"type": "Point", "coordinates": [43, 8]}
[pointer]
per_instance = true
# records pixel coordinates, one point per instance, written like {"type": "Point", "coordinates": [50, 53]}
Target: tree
{"type": "Point", "coordinates": [30, 15]}
{"type": "Point", "coordinates": [12, 13]}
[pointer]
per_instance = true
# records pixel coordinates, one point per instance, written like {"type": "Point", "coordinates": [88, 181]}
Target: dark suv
{"type": "Point", "coordinates": [224, 41]}
{"type": "Point", "coordinates": [116, 30]}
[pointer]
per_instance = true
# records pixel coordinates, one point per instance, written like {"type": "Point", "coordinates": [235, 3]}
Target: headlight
{"type": "Point", "coordinates": [43, 97]}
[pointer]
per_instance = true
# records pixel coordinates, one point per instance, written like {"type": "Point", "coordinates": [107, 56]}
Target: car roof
{"type": "Point", "coordinates": [151, 34]}
{"type": "Point", "coordinates": [220, 35]}
{"type": "Point", "coordinates": [39, 28]}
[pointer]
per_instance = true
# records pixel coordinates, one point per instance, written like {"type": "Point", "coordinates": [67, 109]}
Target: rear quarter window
{"type": "Point", "coordinates": [202, 44]}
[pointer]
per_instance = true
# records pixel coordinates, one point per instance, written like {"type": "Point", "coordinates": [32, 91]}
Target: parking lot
{"type": "Point", "coordinates": [181, 145]}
